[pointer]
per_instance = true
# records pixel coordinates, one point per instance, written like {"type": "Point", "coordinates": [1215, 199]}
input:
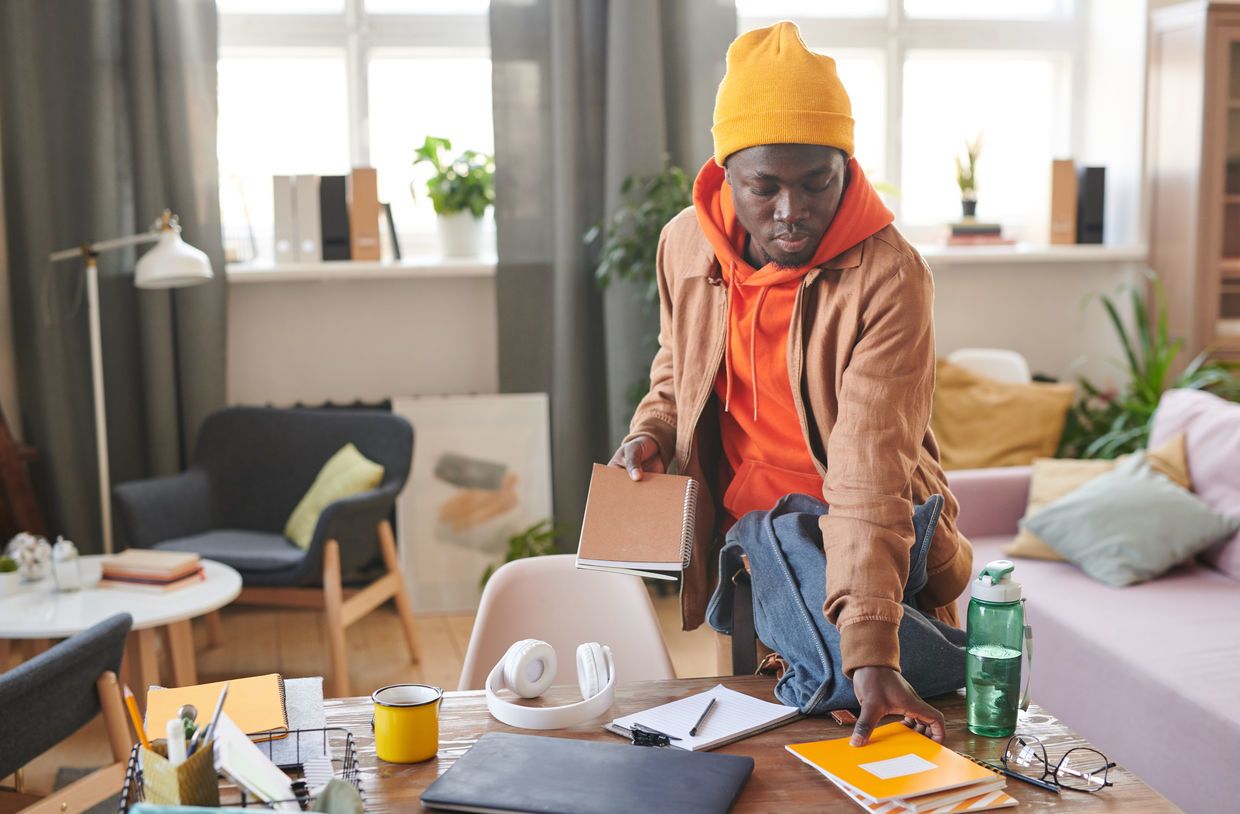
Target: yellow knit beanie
{"type": "Point", "coordinates": [777, 91]}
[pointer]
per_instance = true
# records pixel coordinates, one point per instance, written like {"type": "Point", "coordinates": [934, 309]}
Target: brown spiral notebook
{"type": "Point", "coordinates": [637, 527]}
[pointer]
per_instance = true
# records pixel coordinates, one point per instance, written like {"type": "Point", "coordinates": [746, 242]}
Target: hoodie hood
{"type": "Point", "coordinates": [861, 213]}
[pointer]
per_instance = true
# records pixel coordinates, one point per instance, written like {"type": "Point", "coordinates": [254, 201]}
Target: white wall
{"type": "Point", "coordinates": [362, 339]}
{"type": "Point", "coordinates": [8, 359]}
{"type": "Point", "coordinates": [1040, 310]}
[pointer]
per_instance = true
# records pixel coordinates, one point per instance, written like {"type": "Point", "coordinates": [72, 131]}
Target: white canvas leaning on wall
{"type": "Point", "coordinates": [481, 472]}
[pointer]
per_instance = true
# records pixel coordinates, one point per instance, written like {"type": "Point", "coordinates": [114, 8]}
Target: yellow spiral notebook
{"type": "Point", "coordinates": [255, 704]}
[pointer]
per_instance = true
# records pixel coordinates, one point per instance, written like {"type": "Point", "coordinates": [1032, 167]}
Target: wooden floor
{"type": "Point", "coordinates": [291, 642]}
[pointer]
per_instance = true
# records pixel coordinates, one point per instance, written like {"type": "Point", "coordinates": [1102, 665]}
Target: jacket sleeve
{"type": "Point", "coordinates": [872, 452]}
{"type": "Point", "coordinates": [656, 412]}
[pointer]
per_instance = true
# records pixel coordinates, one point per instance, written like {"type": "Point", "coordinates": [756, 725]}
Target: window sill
{"type": "Point", "coordinates": [1029, 254]}
{"type": "Point", "coordinates": [421, 268]}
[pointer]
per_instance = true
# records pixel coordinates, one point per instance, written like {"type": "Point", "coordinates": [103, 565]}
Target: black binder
{"type": "Point", "coordinates": [334, 215]}
{"type": "Point", "coordinates": [505, 772]}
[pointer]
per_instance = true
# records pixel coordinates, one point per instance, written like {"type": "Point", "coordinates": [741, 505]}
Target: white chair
{"type": "Point", "coordinates": [1006, 366]}
{"type": "Point", "coordinates": [549, 598]}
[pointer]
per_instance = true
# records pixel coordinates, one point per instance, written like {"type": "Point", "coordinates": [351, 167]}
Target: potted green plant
{"type": "Point", "coordinates": [536, 541]}
{"type": "Point", "coordinates": [966, 176]}
{"type": "Point", "coordinates": [8, 575]}
{"type": "Point", "coordinates": [631, 238]}
{"type": "Point", "coordinates": [460, 190]}
{"type": "Point", "coordinates": [1107, 423]}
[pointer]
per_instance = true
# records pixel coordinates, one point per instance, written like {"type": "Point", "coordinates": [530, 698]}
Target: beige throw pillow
{"type": "Point", "coordinates": [1053, 478]}
{"type": "Point", "coordinates": [980, 422]}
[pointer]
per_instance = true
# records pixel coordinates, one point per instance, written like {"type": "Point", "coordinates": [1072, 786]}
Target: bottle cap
{"type": "Point", "coordinates": [994, 583]}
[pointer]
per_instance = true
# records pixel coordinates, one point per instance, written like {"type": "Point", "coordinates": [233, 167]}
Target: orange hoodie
{"type": "Point", "coordinates": [765, 452]}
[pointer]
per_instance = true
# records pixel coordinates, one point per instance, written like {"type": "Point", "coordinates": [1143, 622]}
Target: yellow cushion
{"type": "Point", "coordinates": [1053, 478]}
{"type": "Point", "coordinates": [346, 473]}
{"type": "Point", "coordinates": [980, 422]}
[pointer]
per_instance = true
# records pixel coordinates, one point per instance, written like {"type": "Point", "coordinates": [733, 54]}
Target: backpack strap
{"type": "Point", "coordinates": [744, 637]}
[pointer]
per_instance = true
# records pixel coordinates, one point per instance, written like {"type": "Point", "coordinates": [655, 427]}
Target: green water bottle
{"type": "Point", "coordinates": [996, 630]}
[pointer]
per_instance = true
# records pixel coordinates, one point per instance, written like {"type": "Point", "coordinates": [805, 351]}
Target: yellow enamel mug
{"type": "Point", "coordinates": [406, 722]}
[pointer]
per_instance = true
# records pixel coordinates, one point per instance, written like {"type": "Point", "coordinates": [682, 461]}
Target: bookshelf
{"type": "Point", "coordinates": [1193, 167]}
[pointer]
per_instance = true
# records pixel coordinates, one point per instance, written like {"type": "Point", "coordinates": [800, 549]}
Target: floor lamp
{"type": "Point", "coordinates": [171, 263]}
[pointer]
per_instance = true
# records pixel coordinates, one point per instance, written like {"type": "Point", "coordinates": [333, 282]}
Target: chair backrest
{"type": "Point", "coordinates": [51, 696]}
{"type": "Point", "coordinates": [549, 598]}
{"type": "Point", "coordinates": [994, 363]}
{"type": "Point", "coordinates": [261, 460]}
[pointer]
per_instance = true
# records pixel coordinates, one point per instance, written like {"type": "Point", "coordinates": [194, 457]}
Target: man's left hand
{"type": "Point", "coordinates": [883, 691]}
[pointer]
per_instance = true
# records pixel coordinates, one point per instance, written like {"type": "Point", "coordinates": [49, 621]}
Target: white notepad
{"type": "Point", "coordinates": [734, 716]}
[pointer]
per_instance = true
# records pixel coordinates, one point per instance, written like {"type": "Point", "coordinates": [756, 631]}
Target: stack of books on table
{"type": "Point", "coordinates": [902, 772]}
{"type": "Point", "coordinates": [969, 232]}
{"type": "Point", "coordinates": [140, 569]}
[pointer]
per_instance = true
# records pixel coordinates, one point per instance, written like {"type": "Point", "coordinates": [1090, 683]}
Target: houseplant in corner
{"type": "Point", "coordinates": [460, 190]}
{"type": "Point", "coordinates": [536, 541]}
{"type": "Point", "coordinates": [631, 238]}
{"type": "Point", "coordinates": [1107, 424]}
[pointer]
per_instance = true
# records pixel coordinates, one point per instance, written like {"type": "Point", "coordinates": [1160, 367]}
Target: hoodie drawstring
{"type": "Point", "coordinates": [727, 339]}
{"type": "Point", "coordinates": [753, 343]}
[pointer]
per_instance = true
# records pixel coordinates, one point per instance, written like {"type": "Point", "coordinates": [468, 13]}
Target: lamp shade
{"type": "Point", "coordinates": [172, 263]}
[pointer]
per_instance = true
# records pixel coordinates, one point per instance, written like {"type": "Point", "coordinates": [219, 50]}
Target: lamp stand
{"type": "Point", "coordinates": [101, 423]}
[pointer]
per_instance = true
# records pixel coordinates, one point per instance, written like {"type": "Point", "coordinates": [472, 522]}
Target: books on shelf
{"type": "Point", "coordinates": [900, 770]}
{"type": "Point", "coordinates": [1063, 202]}
{"type": "Point", "coordinates": [284, 204]}
{"type": "Point", "coordinates": [637, 527]}
{"type": "Point", "coordinates": [334, 216]}
{"type": "Point", "coordinates": [151, 571]}
{"type": "Point", "coordinates": [971, 232]}
{"type": "Point", "coordinates": [364, 214]}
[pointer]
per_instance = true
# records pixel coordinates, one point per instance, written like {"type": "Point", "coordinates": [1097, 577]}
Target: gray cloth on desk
{"type": "Point", "coordinates": [303, 701]}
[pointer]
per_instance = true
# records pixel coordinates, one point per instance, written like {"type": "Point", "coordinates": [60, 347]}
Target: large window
{"type": "Point", "coordinates": [926, 76]}
{"type": "Point", "coordinates": [320, 86]}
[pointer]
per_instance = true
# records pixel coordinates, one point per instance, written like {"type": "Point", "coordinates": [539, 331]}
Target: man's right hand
{"type": "Point", "coordinates": [638, 455]}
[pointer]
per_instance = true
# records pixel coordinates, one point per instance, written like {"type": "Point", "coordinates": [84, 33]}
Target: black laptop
{"type": "Point", "coordinates": [505, 772]}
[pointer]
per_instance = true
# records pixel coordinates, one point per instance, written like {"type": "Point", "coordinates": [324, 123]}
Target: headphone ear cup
{"type": "Point", "coordinates": [529, 667]}
{"type": "Point", "coordinates": [592, 673]}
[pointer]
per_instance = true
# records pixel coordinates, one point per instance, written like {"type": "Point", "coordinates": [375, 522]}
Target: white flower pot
{"type": "Point", "coordinates": [8, 582]}
{"type": "Point", "coordinates": [460, 235]}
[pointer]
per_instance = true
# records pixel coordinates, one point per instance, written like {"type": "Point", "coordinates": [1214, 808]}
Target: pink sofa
{"type": "Point", "coordinates": [1149, 673]}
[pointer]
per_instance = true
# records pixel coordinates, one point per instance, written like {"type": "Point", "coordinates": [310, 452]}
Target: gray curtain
{"type": "Point", "coordinates": [587, 92]}
{"type": "Point", "coordinates": [108, 111]}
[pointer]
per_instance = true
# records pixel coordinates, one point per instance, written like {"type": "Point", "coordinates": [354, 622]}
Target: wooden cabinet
{"type": "Point", "coordinates": [1193, 169]}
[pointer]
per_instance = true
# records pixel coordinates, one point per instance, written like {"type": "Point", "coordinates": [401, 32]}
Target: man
{"type": "Point", "coordinates": [796, 354]}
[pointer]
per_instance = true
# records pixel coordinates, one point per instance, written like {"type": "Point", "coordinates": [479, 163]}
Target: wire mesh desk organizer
{"type": "Point", "coordinates": [310, 769]}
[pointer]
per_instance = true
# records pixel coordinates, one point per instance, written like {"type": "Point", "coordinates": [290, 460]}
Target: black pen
{"type": "Point", "coordinates": [702, 717]}
{"type": "Point", "coordinates": [1042, 784]}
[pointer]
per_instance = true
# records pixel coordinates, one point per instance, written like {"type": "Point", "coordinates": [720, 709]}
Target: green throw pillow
{"type": "Point", "coordinates": [1130, 524]}
{"type": "Point", "coordinates": [346, 473]}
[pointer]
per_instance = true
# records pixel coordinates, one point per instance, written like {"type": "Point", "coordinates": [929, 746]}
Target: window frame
{"type": "Point", "coordinates": [359, 34]}
{"type": "Point", "coordinates": [895, 34]}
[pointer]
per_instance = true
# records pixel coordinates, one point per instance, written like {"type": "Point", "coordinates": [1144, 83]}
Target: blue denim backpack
{"type": "Point", "coordinates": [787, 570]}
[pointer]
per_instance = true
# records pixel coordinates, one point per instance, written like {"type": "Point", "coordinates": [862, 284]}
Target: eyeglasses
{"type": "Point", "coordinates": [1080, 768]}
{"type": "Point", "coordinates": [645, 736]}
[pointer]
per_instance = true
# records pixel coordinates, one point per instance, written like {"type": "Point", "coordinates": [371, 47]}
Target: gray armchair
{"type": "Point", "coordinates": [56, 693]}
{"type": "Point", "coordinates": [251, 466]}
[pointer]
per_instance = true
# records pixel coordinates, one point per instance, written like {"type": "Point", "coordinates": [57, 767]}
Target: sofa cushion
{"type": "Point", "coordinates": [1114, 662]}
{"type": "Point", "coordinates": [1211, 426]}
{"type": "Point", "coordinates": [246, 551]}
{"type": "Point", "coordinates": [1130, 525]}
{"type": "Point", "coordinates": [980, 422]}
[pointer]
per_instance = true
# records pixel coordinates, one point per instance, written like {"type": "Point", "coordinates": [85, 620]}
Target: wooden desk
{"type": "Point", "coordinates": [780, 782]}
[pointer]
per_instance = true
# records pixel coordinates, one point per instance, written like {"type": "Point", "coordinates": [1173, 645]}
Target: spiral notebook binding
{"type": "Point", "coordinates": [690, 522]}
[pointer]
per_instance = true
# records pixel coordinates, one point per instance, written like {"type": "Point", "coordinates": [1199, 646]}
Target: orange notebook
{"type": "Point", "coordinates": [637, 527]}
{"type": "Point", "coordinates": [895, 764]}
{"type": "Point", "coordinates": [254, 704]}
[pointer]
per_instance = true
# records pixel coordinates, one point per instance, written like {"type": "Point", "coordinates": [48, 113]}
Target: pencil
{"type": "Point", "coordinates": [132, 703]}
{"type": "Point", "coordinates": [702, 717]}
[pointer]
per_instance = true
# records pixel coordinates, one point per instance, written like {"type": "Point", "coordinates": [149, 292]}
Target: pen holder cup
{"type": "Point", "coordinates": [191, 783]}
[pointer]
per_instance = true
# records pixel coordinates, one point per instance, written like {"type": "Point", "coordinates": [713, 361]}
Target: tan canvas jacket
{"type": "Point", "coordinates": [861, 360]}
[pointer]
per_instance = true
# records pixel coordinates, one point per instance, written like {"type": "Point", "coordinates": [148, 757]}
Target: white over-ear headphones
{"type": "Point", "coordinates": [528, 668]}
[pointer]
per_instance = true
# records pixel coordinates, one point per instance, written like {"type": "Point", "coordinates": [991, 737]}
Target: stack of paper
{"type": "Point", "coordinates": [901, 771]}
{"type": "Point", "coordinates": [733, 717]}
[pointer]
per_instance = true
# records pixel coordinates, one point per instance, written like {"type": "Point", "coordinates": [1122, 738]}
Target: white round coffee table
{"type": "Point", "coordinates": [36, 610]}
